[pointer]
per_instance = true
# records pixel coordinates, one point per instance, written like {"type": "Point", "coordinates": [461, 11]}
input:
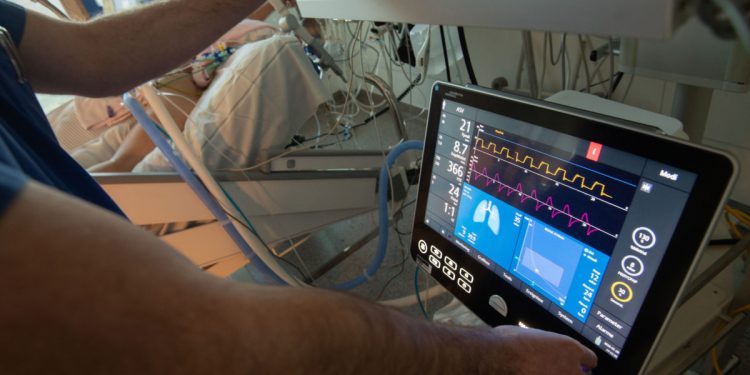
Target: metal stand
{"type": "Point", "coordinates": [698, 346]}
{"type": "Point", "coordinates": [691, 106]}
{"type": "Point", "coordinates": [528, 51]}
{"type": "Point", "coordinates": [719, 265]}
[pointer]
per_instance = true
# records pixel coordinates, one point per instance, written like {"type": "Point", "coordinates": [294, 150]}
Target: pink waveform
{"type": "Point", "coordinates": [538, 205]}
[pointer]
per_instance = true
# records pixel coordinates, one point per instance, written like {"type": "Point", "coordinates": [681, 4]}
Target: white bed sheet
{"type": "Point", "coordinates": [257, 102]}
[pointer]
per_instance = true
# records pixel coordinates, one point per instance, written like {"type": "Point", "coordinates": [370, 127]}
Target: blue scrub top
{"type": "Point", "coordinates": [28, 147]}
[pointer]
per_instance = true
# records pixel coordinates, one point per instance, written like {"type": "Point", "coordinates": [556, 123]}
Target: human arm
{"type": "Point", "coordinates": [114, 53]}
{"type": "Point", "coordinates": [181, 95]}
{"type": "Point", "coordinates": [85, 292]}
{"type": "Point", "coordinates": [133, 149]}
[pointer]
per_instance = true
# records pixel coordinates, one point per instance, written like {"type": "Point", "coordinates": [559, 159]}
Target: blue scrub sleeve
{"type": "Point", "coordinates": [11, 183]}
{"type": "Point", "coordinates": [13, 19]}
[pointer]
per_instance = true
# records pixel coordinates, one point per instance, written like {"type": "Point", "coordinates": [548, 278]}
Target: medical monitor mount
{"type": "Point", "coordinates": [537, 214]}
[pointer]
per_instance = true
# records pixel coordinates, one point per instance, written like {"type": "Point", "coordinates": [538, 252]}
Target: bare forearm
{"type": "Point", "coordinates": [111, 54]}
{"type": "Point", "coordinates": [84, 292]}
{"type": "Point", "coordinates": [321, 332]}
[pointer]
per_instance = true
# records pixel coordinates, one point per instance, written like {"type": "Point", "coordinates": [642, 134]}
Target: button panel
{"type": "Point", "coordinates": [436, 252]}
{"type": "Point", "coordinates": [451, 264]}
{"type": "Point", "coordinates": [447, 272]}
{"type": "Point", "coordinates": [464, 285]}
{"type": "Point", "coordinates": [466, 275]}
{"type": "Point", "coordinates": [434, 261]}
{"type": "Point", "coordinates": [422, 246]}
{"type": "Point", "coordinates": [448, 266]}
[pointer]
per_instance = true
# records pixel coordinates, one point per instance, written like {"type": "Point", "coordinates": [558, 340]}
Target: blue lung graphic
{"type": "Point", "coordinates": [480, 215]}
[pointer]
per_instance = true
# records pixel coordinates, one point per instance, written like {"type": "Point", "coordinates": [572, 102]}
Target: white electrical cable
{"type": "Point", "coordinates": [459, 73]}
{"type": "Point", "coordinates": [163, 93]}
{"type": "Point", "coordinates": [166, 95]}
{"type": "Point", "coordinates": [52, 8]}
{"type": "Point", "coordinates": [611, 88]}
{"type": "Point", "coordinates": [585, 63]}
{"type": "Point", "coordinates": [396, 303]}
{"type": "Point", "coordinates": [737, 19]}
{"type": "Point", "coordinates": [627, 89]}
{"type": "Point", "coordinates": [547, 36]}
{"type": "Point", "coordinates": [173, 130]}
{"type": "Point", "coordinates": [319, 134]}
{"type": "Point", "coordinates": [188, 118]}
{"type": "Point", "coordinates": [563, 61]}
{"type": "Point", "coordinates": [331, 131]}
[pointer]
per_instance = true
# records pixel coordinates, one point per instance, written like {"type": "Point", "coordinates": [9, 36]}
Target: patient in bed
{"type": "Point", "coordinates": [254, 102]}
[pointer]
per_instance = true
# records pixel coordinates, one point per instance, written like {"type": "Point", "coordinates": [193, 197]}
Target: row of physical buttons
{"type": "Point", "coordinates": [466, 275]}
{"type": "Point", "coordinates": [461, 282]}
{"type": "Point", "coordinates": [450, 266]}
{"type": "Point", "coordinates": [436, 252]}
{"type": "Point", "coordinates": [422, 246]}
{"type": "Point", "coordinates": [464, 285]}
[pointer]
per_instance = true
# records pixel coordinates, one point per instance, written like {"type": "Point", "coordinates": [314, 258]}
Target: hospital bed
{"type": "Point", "coordinates": [245, 118]}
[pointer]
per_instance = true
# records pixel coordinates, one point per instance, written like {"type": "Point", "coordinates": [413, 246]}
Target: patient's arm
{"type": "Point", "coordinates": [83, 292]}
{"type": "Point", "coordinates": [112, 54]}
{"type": "Point", "coordinates": [179, 95]}
{"type": "Point", "coordinates": [133, 149]}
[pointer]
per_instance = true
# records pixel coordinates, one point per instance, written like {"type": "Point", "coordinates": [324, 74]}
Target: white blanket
{"type": "Point", "coordinates": [259, 99]}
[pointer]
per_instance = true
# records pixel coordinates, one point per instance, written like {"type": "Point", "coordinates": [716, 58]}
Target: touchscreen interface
{"type": "Point", "coordinates": [576, 226]}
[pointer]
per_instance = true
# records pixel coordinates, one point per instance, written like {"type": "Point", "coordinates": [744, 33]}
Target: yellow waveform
{"type": "Point", "coordinates": [544, 167]}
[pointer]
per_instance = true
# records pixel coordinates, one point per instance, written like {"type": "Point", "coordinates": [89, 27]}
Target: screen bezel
{"type": "Point", "coordinates": [715, 172]}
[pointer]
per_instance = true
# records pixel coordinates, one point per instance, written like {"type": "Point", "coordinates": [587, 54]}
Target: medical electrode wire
{"type": "Point", "coordinates": [627, 88]}
{"type": "Point", "coordinates": [281, 258]}
{"type": "Point", "coordinates": [611, 68]}
{"type": "Point", "coordinates": [402, 264]}
{"type": "Point", "coordinates": [584, 61]}
{"type": "Point", "coordinates": [417, 293]}
{"type": "Point", "coordinates": [737, 19]}
{"type": "Point", "coordinates": [552, 59]}
{"type": "Point", "coordinates": [245, 221]}
{"type": "Point", "coordinates": [255, 243]}
{"type": "Point", "coordinates": [234, 204]}
{"type": "Point", "coordinates": [331, 131]}
{"type": "Point", "coordinates": [445, 54]}
{"type": "Point", "coordinates": [248, 224]}
{"type": "Point", "coordinates": [467, 57]}
{"type": "Point", "coordinates": [385, 161]}
{"type": "Point", "coordinates": [353, 73]}
{"type": "Point", "coordinates": [191, 101]}
{"type": "Point", "coordinates": [359, 41]}
{"type": "Point", "coordinates": [52, 9]}
{"type": "Point", "coordinates": [200, 189]}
